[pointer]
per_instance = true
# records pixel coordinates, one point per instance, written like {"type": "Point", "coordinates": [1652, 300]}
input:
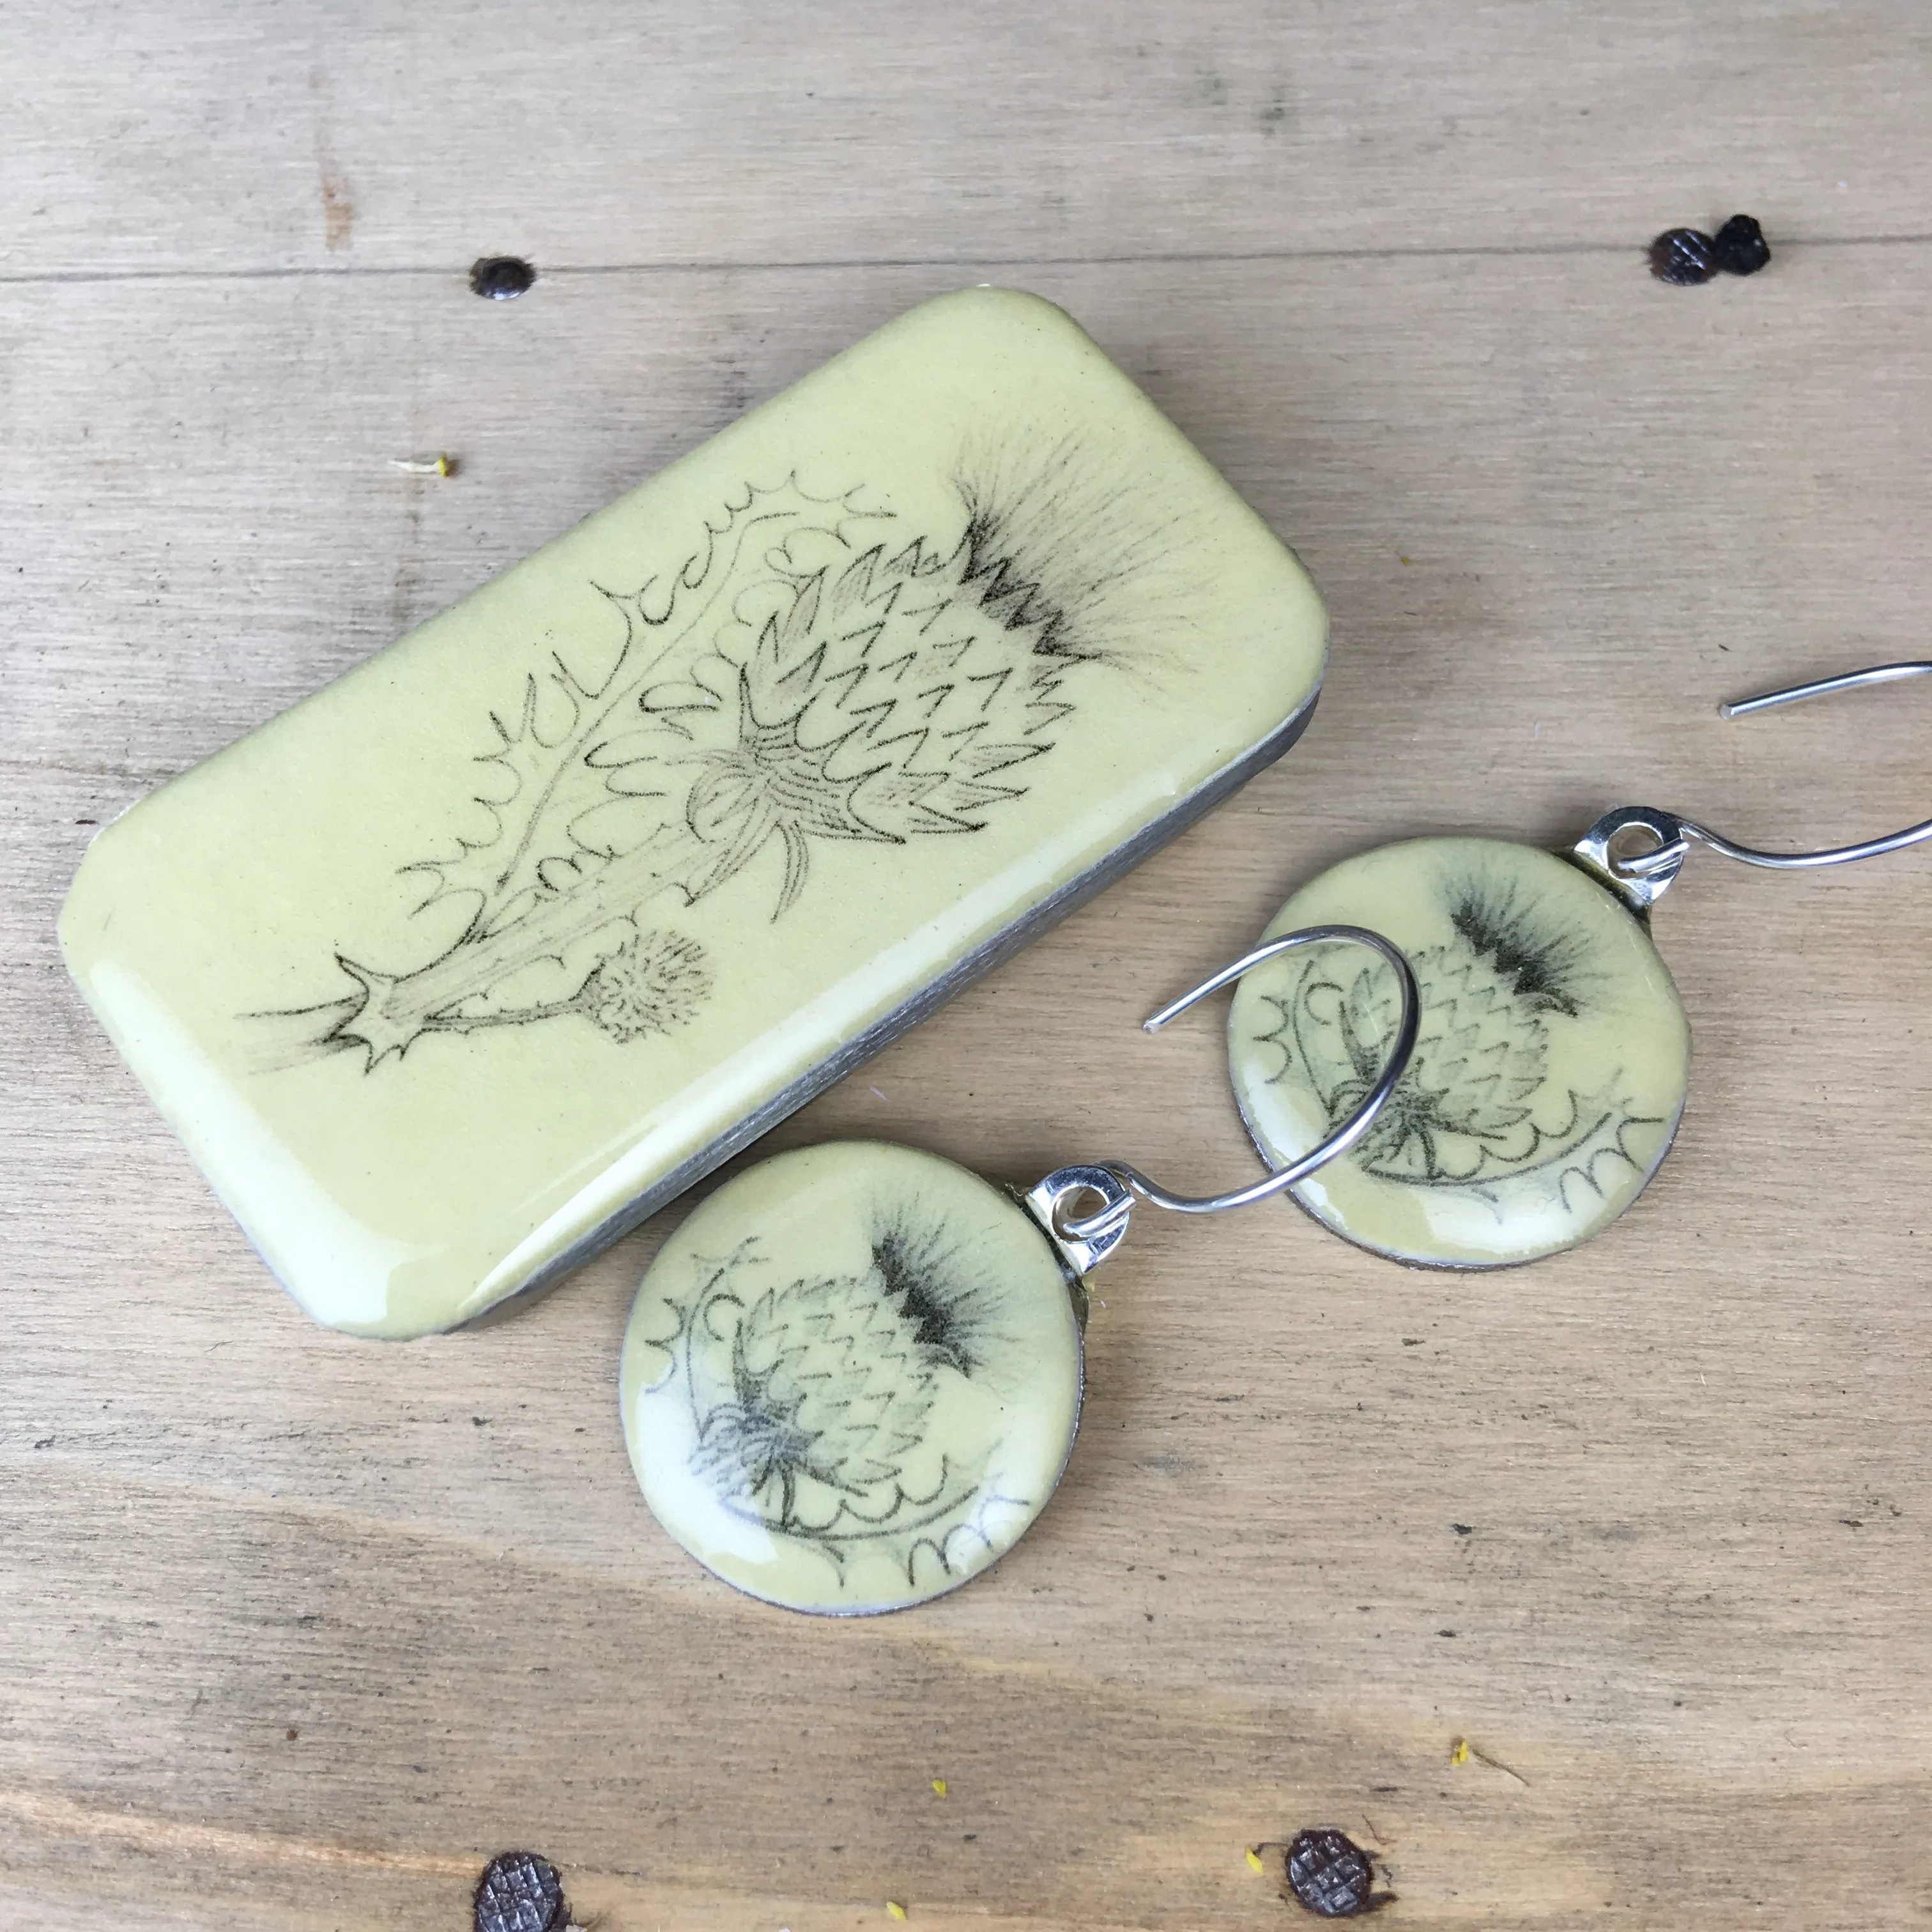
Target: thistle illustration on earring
{"type": "Point", "coordinates": [852, 1377]}
{"type": "Point", "coordinates": [1551, 1071]}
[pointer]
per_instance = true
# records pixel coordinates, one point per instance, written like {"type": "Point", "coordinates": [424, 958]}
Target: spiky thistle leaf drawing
{"type": "Point", "coordinates": [812, 674]}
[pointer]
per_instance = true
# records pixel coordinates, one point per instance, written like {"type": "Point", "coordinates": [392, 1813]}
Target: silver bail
{"type": "Point", "coordinates": [1051, 1204]}
{"type": "Point", "coordinates": [1639, 879]}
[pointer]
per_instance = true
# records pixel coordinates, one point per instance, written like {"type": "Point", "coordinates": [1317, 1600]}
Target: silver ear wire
{"type": "Point", "coordinates": [1117, 1186]}
{"type": "Point", "coordinates": [1823, 687]}
{"type": "Point", "coordinates": [1641, 878]}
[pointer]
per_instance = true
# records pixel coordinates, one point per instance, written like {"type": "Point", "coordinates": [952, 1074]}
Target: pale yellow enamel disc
{"type": "Point", "coordinates": [852, 1378]}
{"type": "Point", "coordinates": [1548, 1077]}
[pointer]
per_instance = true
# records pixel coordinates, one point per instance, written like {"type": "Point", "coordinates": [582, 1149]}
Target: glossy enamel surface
{"type": "Point", "coordinates": [1547, 1080]}
{"type": "Point", "coordinates": [449, 974]}
{"type": "Point", "coordinates": [852, 1378]}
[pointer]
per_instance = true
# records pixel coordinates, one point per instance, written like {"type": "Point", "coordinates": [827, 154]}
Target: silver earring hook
{"type": "Point", "coordinates": [1640, 879]}
{"type": "Point", "coordinates": [1089, 1240]}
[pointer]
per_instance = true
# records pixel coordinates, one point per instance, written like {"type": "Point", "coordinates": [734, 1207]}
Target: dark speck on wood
{"type": "Point", "coordinates": [520, 1892]}
{"type": "Point", "coordinates": [1331, 1875]}
{"type": "Point", "coordinates": [1683, 257]}
{"type": "Point", "coordinates": [501, 277]}
{"type": "Point", "coordinates": [1740, 246]}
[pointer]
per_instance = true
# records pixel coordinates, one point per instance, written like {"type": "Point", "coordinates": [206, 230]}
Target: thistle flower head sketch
{"type": "Point", "coordinates": [814, 673]}
{"type": "Point", "coordinates": [812, 1401]}
{"type": "Point", "coordinates": [1477, 1101]}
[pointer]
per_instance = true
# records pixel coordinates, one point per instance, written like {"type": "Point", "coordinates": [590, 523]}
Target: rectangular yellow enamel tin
{"type": "Point", "coordinates": [463, 965]}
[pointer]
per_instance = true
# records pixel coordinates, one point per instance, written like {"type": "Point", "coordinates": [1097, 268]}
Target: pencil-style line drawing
{"type": "Point", "coordinates": [813, 673]}
{"type": "Point", "coordinates": [1477, 1104]}
{"type": "Point", "coordinates": [814, 1401]}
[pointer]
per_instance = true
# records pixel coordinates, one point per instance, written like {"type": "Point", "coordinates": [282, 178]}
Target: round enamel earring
{"type": "Point", "coordinates": [1551, 1070]}
{"type": "Point", "coordinates": [852, 1377]}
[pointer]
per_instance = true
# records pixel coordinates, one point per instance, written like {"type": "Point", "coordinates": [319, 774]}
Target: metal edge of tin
{"type": "Point", "coordinates": [1037, 918]}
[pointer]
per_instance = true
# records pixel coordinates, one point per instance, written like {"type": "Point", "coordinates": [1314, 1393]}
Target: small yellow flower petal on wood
{"type": "Point", "coordinates": [939, 1786]}
{"type": "Point", "coordinates": [1255, 1860]}
{"type": "Point", "coordinates": [1459, 1750]}
{"type": "Point", "coordinates": [894, 1910]}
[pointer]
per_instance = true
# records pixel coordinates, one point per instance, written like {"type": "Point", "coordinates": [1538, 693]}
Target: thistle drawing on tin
{"type": "Point", "coordinates": [1479, 1104]}
{"type": "Point", "coordinates": [813, 673]}
{"type": "Point", "coordinates": [817, 1406]}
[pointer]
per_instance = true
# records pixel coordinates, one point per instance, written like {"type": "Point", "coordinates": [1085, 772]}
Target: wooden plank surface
{"type": "Point", "coordinates": [159, 136]}
{"type": "Point", "coordinates": [295, 1631]}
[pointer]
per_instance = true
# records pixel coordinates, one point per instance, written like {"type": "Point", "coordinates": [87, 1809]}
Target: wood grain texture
{"type": "Point", "coordinates": [295, 1631]}
{"type": "Point", "coordinates": [156, 136]}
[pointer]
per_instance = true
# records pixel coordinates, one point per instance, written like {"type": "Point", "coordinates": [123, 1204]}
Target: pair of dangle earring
{"type": "Point", "coordinates": [852, 1378]}
{"type": "Point", "coordinates": [1551, 1072]}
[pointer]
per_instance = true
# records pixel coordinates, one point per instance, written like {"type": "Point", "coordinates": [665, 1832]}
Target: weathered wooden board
{"type": "Point", "coordinates": [222, 140]}
{"type": "Point", "coordinates": [295, 1631]}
